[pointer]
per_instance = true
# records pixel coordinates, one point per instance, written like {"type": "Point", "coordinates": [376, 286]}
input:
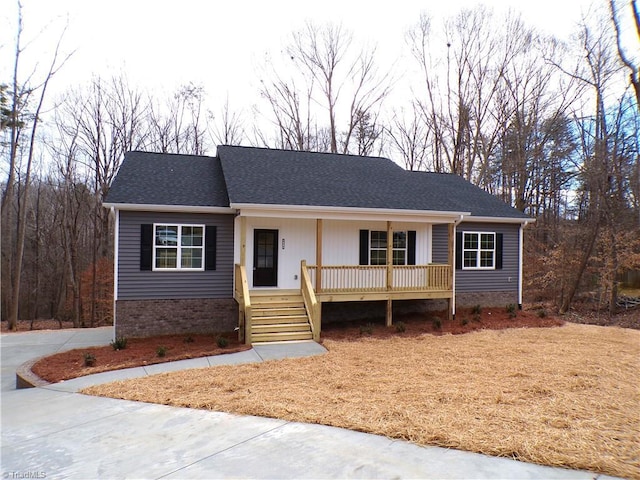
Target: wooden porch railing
{"type": "Point", "coordinates": [367, 278]}
{"type": "Point", "coordinates": [241, 294]}
{"type": "Point", "coordinates": [310, 301]}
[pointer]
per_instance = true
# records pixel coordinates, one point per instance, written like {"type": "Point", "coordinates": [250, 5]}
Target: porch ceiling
{"type": "Point", "coordinates": [347, 213]}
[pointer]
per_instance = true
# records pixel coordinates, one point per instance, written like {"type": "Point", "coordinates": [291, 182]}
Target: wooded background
{"type": "Point", "coordinates": [551, 127]}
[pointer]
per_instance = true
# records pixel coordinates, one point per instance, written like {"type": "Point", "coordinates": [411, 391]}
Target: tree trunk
{"type": "Point", "coordinates": [573, 287]}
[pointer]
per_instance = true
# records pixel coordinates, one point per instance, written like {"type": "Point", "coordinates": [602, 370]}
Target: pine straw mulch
{"type": "Point", "coordinates": [565, 396]}
{"type": "Point", "coordinates": [139, 352]}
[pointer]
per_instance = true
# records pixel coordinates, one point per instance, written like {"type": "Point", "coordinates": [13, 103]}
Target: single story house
{"type": "Point", "coordinates": [265, 240]}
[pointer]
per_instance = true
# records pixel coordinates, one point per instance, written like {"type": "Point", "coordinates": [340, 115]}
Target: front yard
{"type": "Point", "coordinates": [565, 396]}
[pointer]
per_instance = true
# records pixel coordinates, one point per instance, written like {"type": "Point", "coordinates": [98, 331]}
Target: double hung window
{"type": "Point", "coordinates": [378, 248]}
{"type": "Point", "coordinates": [178, 247]}
{"type": "Point", "coordinates": [479, 250]}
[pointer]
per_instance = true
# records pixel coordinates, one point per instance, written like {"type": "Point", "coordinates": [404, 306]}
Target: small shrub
{"type": "Point", "coordinates": [366, 329]}
{"type": "Point", "coordinates": [541, 313]}
{"type": "Point", "coordinates": [119, 343]}
{"type": "Point", "coordinates": [464, 321]}
{"type": "Point", "coordinates": [476, 310]}
{"type": "Point", "coordinates": [222, 342]}
{"type": "Point", "coordinates": [89, 359]}
{"type": "Point", "coordinates": [437, 323]}
{"type": "Point", "coordinates": [512, 310]}
{"type": "Point", "coordinates": [161, 351]}
{"type": "Point", "coordinates": [401, 327]}
{"type": "Point", "coordinates": [188, 339]}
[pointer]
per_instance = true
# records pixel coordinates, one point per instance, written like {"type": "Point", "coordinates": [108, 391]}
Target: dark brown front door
{"type": "Point", "coordinates": [265, 258]}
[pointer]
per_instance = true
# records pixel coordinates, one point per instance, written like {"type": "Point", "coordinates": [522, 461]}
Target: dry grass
{"type": "Point", "coordinates": [564, 396]}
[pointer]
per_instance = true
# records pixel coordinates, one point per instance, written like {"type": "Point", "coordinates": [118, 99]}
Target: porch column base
{"type": "Point", "coordinates": [389, 320]}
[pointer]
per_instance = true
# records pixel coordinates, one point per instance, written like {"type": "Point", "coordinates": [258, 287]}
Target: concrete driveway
{"type": "Point", "coordinates": [53, 432]}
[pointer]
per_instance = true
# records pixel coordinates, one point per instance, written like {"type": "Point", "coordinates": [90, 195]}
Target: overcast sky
{"type": "Point", "coordinates": [219, 43]}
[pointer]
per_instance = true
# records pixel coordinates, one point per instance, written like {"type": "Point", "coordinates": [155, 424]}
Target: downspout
{"type": "Point", "coordinates": [116, 248]}
{"type": "Point", "coordinates": [520, 251]}
{"type": "Point", "coordinates": [453, 265]}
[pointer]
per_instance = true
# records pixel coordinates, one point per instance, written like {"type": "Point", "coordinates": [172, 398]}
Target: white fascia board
{"type": "Point", "coordinates": [168, 208]}
{"type": "Point", "coordinates": [523, 221]}
{"type": "Point", "coordinates": [346, 213]}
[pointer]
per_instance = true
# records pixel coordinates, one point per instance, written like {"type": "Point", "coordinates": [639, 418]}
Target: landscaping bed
{"type": "Point", "coordinates": [138, 352]}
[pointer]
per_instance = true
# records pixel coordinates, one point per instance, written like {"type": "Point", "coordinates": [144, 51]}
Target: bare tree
{"type": "Point", "coordinates": [179, 124]}
{"type": "Point", "coordinates": [410, 136]}
{"type": "Point", "coordinates": [634, 74]}
{"type": "Point", "coordinates": [228, 128]}
{"type": "Point", "coordinates": [461, 69]}
{"type": "Point", "coordinates": [20, 94]}
{"type": "Point", "coordinates": [291, 110]}
{"type": "Point", "coordinates": [333, 96]}
{"type": "Point", "coordinates": [596, 209]}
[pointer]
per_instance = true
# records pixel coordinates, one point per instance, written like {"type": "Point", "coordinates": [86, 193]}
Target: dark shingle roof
{"type": "Point", "coordinates": [454, 193]}
{"type": "Point", "coordinates": [284, 177]}
{"type": "Point", "coordinates": [247, 175]}
{"type": "Point", "coordinates": [169, 179]}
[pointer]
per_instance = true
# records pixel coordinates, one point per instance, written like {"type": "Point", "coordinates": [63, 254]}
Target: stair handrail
{"type": "Point", "coordinates": [310, 301]}
{"type": "Point", "coordinates": [244, 300]}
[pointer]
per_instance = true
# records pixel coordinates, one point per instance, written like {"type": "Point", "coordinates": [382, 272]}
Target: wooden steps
{"type": "Point", "coordinates": [278, 317]}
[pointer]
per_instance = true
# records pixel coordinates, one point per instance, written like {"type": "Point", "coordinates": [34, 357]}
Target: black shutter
{"type": "Point", "coordinates": [458, 250]}
{"type": "Point", "coordinates": [411, 247]}
{"type": "Point", "coordinates": [146, 246]}
{"type": "Point", "coordinates": [210, 247]}
{"type": "Point", "coordinates": [364, 247]}
{"type": "Point", "coordinates": [498, 251]}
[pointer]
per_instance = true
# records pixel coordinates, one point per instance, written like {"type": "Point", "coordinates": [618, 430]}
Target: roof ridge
{"type": "Point", "coordinates": [174, 154]}
{"type": "Point", "coordinates": [248, 147]}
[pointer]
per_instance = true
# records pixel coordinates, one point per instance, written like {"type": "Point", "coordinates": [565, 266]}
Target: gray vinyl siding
{"type": "Point", "coordinates": [502, 280]}
{"type": "Point", "coordinates": [134, 284]}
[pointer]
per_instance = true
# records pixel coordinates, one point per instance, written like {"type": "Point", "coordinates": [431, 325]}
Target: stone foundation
{"type": "Point", "coordinates": [147, 318]}
{"type": "Point", "coordinates": [486, 299]}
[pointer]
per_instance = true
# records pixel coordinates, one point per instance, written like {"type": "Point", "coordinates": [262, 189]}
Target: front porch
{"type": "Point", "coordinates": [354, 259]}
{"type": "Point", "coordinates": [279, 315]}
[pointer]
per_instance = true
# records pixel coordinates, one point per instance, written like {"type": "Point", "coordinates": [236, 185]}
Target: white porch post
{"type": "Point", "coordinates": [243, 241]}
{"type": "Point", "coordinates": [318, 255]}
{"type": "Point", "coordinates": [389, 316]}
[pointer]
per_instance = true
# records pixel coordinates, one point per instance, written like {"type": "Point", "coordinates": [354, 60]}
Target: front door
{"type": "Point", "coordinates": [265, 258]}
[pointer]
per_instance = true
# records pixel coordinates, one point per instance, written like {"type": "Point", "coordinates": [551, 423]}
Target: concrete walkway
{"type": "Point", "coordinates": [54, 432]}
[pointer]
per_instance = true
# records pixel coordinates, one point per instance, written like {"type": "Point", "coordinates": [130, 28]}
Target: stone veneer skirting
{"type": "Point", "coordinates": [486, 299]}
{"type": "Point", "coordinates": [146, 318]}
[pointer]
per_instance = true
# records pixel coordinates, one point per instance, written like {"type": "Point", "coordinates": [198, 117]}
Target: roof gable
{"type": "Point", "coordinates": [287, 177]}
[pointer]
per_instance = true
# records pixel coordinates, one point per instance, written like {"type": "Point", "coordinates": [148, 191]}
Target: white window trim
{"type": "Point", "coordinates": [178, 247]}
{"type": "Point", "coordinates": [479, 250]}
{"type": "Point", "coordinates": [405, 249]}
